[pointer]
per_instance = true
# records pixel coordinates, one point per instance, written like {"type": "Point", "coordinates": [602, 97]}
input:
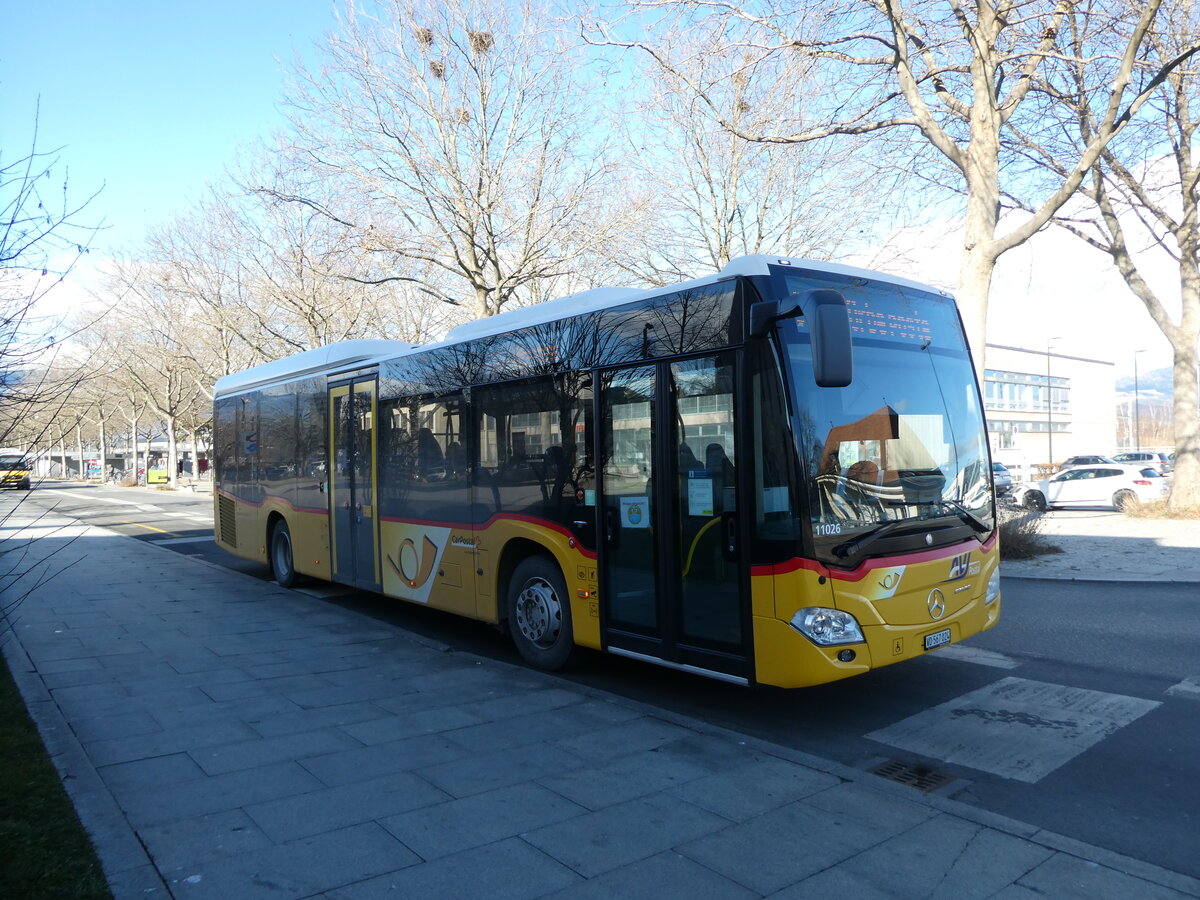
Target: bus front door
{"type": "Point", "coordinates": [672, 582]}
{"type": "Point", "coordinates": [354, 523]}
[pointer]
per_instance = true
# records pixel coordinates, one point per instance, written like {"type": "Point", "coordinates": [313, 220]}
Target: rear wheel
{"type": "Point", "coordinates": [1035, 500]}
{"type": "Point", "coordinates": [539, 613]}
{"type": "Point", "coordinates": [1124, 500]}
{"type": "Point", "coordinates": [283, 565]}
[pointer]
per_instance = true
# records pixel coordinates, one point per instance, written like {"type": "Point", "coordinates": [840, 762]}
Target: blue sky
{"type": "Point", "coordinates": [150, 100]}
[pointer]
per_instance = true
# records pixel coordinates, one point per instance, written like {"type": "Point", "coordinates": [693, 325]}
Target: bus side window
{"type": "Point", "coordinates": [777, 526]}
{"type": "Point", "coordinates": [534, 447]}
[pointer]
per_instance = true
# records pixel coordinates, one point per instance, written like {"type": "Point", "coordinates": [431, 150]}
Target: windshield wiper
{"type": "Point", "coordinates": [963, 513]}
{"type": "Point", "coordinates": [849, 548]}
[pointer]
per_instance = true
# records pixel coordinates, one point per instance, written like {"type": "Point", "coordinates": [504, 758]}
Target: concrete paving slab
{"type": "Point", "coordinates": [942, 857]}
{"type": "Point", "coordinates": [756, 786]}
{"type": "Point", "coordinates": [763, 854]}
{"type": "Point", "coordinates": [294, 870]}
{"type": "Point", "coordinates": [329, 809]}
{"type": "Point", "coordinates": [350, 766]}
{"type": "Point", "coordinates": [507, 870]}
{"type": "Point", "coordinates": [598, 842]}
{"type": "Point", "coordinates": [447, 828]}
{"type": "Point", "coordinates": [664, 876]}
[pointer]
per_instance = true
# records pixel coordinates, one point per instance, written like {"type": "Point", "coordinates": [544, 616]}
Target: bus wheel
{"type": "Point", "coordinates": [539, 614]}
{"type": "Point", "coordinates": [283, 565]}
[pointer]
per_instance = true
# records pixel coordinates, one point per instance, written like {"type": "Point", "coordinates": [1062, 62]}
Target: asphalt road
{"type": "Point", "coordinates": [1076, 714]}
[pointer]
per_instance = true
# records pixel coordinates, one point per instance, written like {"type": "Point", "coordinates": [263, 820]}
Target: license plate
{"type": "Point", "coordinates": [937, 639]}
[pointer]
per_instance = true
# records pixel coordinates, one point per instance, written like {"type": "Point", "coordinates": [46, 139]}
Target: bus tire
{"type": "Point", "coordinates": [539, 614]}
{"type": "Point", "coordinates": [283, 562]}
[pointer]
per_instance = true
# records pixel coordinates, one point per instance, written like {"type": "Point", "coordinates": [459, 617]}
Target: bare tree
{"type": "Point", "coordinates": [1140, 205]}
{"type": "Point", "coordinates": [713, 196]}
{"type": "Point", "coordinates": [957, 74]}
{"type": "Point", "coordinates": [459, 130]}
{"type": "Point", "coordinates": [41, 240]}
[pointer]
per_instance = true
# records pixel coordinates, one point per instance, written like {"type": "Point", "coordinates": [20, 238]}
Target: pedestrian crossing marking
{"type": "Point", "coordinates": [1015, 728]}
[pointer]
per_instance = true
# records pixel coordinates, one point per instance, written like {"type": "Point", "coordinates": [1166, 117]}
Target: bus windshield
{"type": "Point", "coordinates": [905, 442]}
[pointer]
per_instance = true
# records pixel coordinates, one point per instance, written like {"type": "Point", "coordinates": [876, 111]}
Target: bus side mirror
{"type": "Point", "coordinates": [828, 325]}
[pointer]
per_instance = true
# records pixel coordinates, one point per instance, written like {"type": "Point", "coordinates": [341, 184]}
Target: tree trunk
{"type": "Point", "coordinates": [172, 453]}
{"type": "Point", "coordinates": [1185, 483]}
{"type": "Point", "coordinates": [79, 450]}
{"type": "Point", "coordinates": [103, 450]}
{"type": "Point", "coordinates": [979, 242]}
{"type": "Point", "coordinates": [974, 283]}
{"type": "Point", "coordinates": [135, 450]}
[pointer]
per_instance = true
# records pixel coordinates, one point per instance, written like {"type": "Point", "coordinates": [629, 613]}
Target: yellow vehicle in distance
{"type": "Point", "coordinates": [14, 470]}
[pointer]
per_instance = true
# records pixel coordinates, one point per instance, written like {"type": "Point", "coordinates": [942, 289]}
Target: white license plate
{"type": "Point", "coordinates": [937, 639]}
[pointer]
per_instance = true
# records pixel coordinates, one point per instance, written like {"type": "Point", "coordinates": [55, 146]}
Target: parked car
{"type": "Point", "coordinates": [1108, 485]}
{"type": "Point", "coordinates": [1002, 481]}
{"type": "Point", "coordinates": [1074, 461]}
{"type": "Point", "coordinates": [1162, 462]}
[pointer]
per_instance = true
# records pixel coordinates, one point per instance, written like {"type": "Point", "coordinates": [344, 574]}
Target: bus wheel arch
{"type": "Point", "coordinates": [537, 608]}
{"type": "Point", "coordinates": [280, 551]}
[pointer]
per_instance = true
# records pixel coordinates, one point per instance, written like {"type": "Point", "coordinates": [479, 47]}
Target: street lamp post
{"type": "Point", "coordinates": [1137, 396]}
{"type": "Point", "coordinates": [1049, 407]}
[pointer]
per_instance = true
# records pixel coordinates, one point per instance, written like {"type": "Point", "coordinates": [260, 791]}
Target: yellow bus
{"type": "Point", "coordinates": [778, 474]}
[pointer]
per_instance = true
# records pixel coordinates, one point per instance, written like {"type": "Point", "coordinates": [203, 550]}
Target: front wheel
{"type": "Point", "coordinates": [1035, 500]}
{"type": "Point", "coordinates": [1124, 500]}
{"type": "Point", "coordinates": [283, 565]}
{"type": "Point", "coordinates": [539, 614]}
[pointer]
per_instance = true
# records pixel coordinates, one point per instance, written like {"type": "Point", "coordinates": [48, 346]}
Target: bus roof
{"type": "Point", "coordinates": [342, 354]}
{"type": "Point", "coordinates": [346, 355]}
{"type": "Point", "coordinates": [605, 297]}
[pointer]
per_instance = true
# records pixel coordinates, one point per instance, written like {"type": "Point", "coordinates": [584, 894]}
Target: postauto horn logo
{"type": "Point", "coordinates": [411, 565]}
{"type": "Point", "coordinates": [413, 568]}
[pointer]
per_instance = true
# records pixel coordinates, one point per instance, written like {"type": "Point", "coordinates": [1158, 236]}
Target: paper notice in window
{"type": "Point", "coordinates": [700, 494]}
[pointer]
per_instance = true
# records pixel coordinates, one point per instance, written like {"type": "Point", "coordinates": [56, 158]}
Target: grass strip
{"type": "Point", "coordinates": [45, 854]}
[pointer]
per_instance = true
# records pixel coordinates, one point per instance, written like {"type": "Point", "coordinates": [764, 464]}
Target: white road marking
{"type": "Point", "coordinates": [977, 655]}
{"type": "Point", "coordinates": [1015, 728]}
{"type": "Point", "coordinates": [1189, 689]}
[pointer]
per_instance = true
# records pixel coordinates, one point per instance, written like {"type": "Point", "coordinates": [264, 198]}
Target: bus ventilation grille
{"type": "Point", "coordinates": [228, 524]}
{"type": "Point", "coordinates": [920, 777]}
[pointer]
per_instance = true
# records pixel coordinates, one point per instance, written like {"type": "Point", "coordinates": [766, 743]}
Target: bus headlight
{"type": "Point", "coordinates": [827, 627]}
{"type": "Point", "coordinates": [993, 588]}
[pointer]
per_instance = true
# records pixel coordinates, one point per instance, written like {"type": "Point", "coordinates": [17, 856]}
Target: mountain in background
{"type": "Point", "coordinates": [1152, 385]}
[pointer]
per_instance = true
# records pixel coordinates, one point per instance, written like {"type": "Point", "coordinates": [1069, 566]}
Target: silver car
{"type": "Point", "coordinates": [1002, 480]}
{"type": "Point", "coordinates": [1162, 462]}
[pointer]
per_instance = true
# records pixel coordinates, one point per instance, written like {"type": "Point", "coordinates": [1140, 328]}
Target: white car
{"type": "Point", "coordinates": [1105, 485]}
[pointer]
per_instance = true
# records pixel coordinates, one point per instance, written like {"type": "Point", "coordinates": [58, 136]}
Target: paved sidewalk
{"type": "Point", "coordinates": [1102, 545]}
{"type": "Point", "coordinates": [224, 738]}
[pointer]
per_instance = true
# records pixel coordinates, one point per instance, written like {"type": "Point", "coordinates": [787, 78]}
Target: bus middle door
{"type": "Point", "coordinates": [354, 521]}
